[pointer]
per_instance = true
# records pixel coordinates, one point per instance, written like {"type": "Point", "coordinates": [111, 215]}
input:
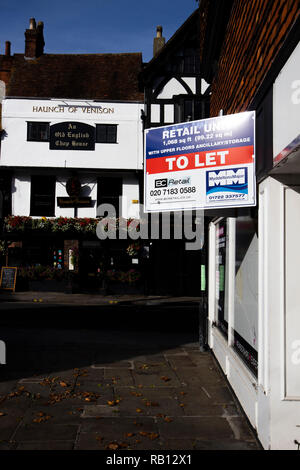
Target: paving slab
{"type": "Point", "coordinates": [119, 377]}
{"type": "Point", "coordinates": [45, 445]}
{"type": "Point", "coordinates": [126, 433]}
{"type": "Point", "coordinates": [199, 376]}
{"type": "Point", "coordinates": [180, 362]}
{"type": "Point", "coordinates": [225, 444]}
{"type": "Point", "coordinates": [164, 380]}
{"type": "Point", "coordinates": [61, 413]}
{"type": "Point", "coordinates": [7, 387]}
{"type": "Point", "coordinates": [196, 428]}
{"type": "Point", "coordinates": [116, 427]}
{"type": "Point", "coordinates": [46, 432]}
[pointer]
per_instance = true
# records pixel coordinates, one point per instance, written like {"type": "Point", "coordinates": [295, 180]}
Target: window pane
{"type": "Point", "coordinates": [246, 291]}
{"type": "Point", "coordinates": [221, 275]}
{"type": "Point", "coordinates": [101, 133]}
{"type": "Point", "coordinates": [38, 131]}
{"type": "Point", "coordinates": [42, 195]}
{"type": "Point", "coordinates": [188, 110]}
{"type": "Point", "coordinates": [106, 133]}
{"type": "Point", "coordinates": [109, 192]}
{"type": "Point", "coordinates": [111, 134]}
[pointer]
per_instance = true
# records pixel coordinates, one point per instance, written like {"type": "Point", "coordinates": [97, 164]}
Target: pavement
{"type": "Point", "coordinates": [112, 387]}
{"type": "Point", "coordinates": [90, 298]}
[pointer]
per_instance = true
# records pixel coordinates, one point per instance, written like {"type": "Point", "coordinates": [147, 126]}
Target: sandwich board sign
{"type": "Point", "coordinates": [204, 164]}
{"type": "Point", "coordinates": [8, 278]}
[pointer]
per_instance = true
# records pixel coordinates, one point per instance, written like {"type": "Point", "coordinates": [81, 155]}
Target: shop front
{"type": "Point", "coordinates": [65, 254]}
{"type": "Point", "coordinates": [254, 258]}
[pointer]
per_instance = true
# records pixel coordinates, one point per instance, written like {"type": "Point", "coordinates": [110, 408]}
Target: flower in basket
{"type": "Point", "coordinates": [41, 224]}
{"type": "Point", "coordinates": [40, 273]}
{"type": "Point", "coordinates": [62, 224]}
{"type": "Point", "coordinates": [133, 249]}
{"type": "Point", "coordinates": [17, 223]}
{"type": "Point", "coordinates": [133, 276]}
{"type": "Point", "coordinates": [3, 247]}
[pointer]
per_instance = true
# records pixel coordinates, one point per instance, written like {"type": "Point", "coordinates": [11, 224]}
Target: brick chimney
{"type": "Point", "coordinates": [159, 41]}
{"type": "Point", "coordinates": [34, 39]}
{"type": "Point", "coordinates": [7, 48]}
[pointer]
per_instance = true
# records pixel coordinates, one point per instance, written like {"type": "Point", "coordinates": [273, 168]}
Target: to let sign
{"type": "Point", "coordinates": [72, 136]}
{"type": "Point", "coordinates": [204, 164]}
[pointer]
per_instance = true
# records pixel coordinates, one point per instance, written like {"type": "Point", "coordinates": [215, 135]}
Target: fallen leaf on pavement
{"type": "Point", "coordinates": [151, 403]}
{"type": "Point", "coordinates": [42, 417]}
{"type": "Point", "coordinates": [151, 435]}
{"type": "Point", "coordinates": [113, 402]}
{"type": "Point", "coordinates": [165, 379]}
{"type": "Point", "coordinates": [113, 446]}
{"type": "Point", "coordinates": [123, 445]}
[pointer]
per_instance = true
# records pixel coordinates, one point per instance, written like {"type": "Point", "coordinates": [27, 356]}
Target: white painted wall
{"type": "Point", "coordinates": [131, 194]}
{"type": "Point", "coordinates": [155, 113]}
{"type": "Point", "coordinates": [2, 90]}
{"type": "Point", "coordinates": [191, 83]}
{"type": "Point", "coordinates": [169, 113]}
{"type": "Point", "coordinates": [246, 295]}
{"type": "Point", "coordinates": [16, 151]}
{"type": "Point", "coordinates": [21, 194]}
{"type": "Point", "coordinates": [171, 88]}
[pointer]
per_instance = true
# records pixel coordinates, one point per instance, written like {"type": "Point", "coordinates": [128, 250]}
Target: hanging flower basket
{"type": "Point", "coordinates": [16, 223]}
{"type": "Point", "coordinates": [134, 249]}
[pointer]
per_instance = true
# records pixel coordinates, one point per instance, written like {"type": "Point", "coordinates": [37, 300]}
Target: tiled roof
{"type": "Point", "coordinates": [90, 76]}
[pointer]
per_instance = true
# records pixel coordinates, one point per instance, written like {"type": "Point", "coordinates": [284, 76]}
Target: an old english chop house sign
{"type": "Point", "coordinates": [72, 136]}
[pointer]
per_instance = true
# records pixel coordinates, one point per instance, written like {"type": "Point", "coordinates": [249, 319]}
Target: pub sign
{"type": "Point", "coordinates": [72, 136]}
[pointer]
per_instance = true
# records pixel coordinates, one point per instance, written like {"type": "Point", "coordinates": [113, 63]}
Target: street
{"type": "Point", "coordinates": [113, 376]}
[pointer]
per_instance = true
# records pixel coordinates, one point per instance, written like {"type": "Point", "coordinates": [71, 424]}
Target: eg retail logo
{"type": "Point", "coordinates": [295, 94]}
{"type": "Point", "coordinates": [296, 354]}
{"type": "Point", "coordinates": [2, 352]}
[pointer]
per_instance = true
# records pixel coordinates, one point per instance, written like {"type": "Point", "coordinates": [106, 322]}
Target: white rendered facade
{"type": "Point", "coordinates": [122, 159]}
